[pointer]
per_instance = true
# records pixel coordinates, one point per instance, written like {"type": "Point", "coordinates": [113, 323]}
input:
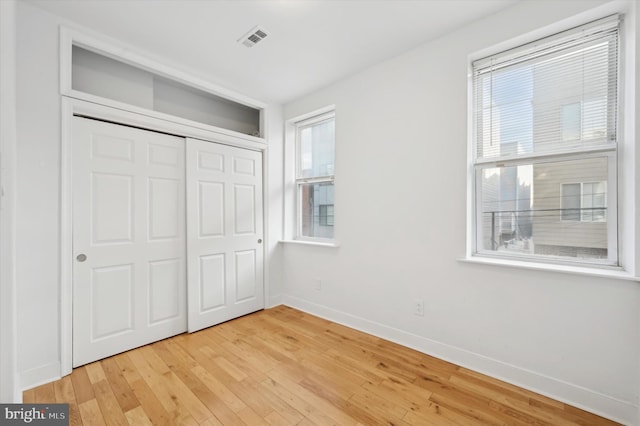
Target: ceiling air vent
{"type": "Point", "coordinates": [253, 37]}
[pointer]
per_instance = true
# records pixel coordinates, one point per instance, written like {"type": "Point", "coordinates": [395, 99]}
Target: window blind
{"type": "Point", "coordinates": [554, 96]}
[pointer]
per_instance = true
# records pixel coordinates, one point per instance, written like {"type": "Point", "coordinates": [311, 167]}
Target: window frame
{"type": "Point", "coordinates": [476, 165]}
{"type": "Point", "coordinates": [299, 181]}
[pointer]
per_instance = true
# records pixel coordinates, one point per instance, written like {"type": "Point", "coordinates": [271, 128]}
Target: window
{"type": "Point", "coordinates": [326, 215]}
{"type": "Point", "coordinates": [545, 148]}
{"type": "Point", "coordinates": [315, 152]}
{"type": "Point", "coordinates": [584, 201]}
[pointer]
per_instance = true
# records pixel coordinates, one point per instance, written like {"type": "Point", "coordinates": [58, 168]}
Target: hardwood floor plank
{"type": "Point", "coordinates": [218, 388]}
{"type": "Point", "coordinates": [182, 371]}
{"type": "Point", "coordinates": [284, 352]}
{"type": "Point", "coordinates": [91, 414]}
{"type": "Point", "coordinates": [75, 418]}
{"type": "Point", "coordinates": [280, 406]}
{"type": "Point", "coordinates": [308, 411]}
{"type": "Point", "coordinates": [29, 396]}
{"type": "Point", "coordinates": [331, 373]}
{"type": "Point", "coordinates": [150, 403]}
{"type": "Point", "coordinates": [82, 386]}
{"type": "Point", "coordinates": [109, 406]}
{"type": "Point", "coordinates": [554, 413]}
{"type": "Point", "coordinates": [206, 358]}
{"type": "Point", "coordinates": [154, 361]}
{"type": "Point", "coordinates": [414, 418]}
{"type": "Point", "coordinates": [353, 361]}
{"type": "Point", "coordinates": [212, 422]}
{"type": "Point", "coordinates": [403, 391]}
{"type": "Point", "coordinates": [284, 367]}
{"type": "Point", "coordinates": [137, 417]}
{"type": "Point", "coordinates": [155, 381]}
{"type": "Point", "coordinates": [181, 416]}
{"type": "Point", "coordinates": [95, 372]}
{"type": "Point", "coordinates": [378, 405]}
{"type": "Point", "coordinates": [312, 397]}
{"type": "Point", "coordinates": [250, 417]}
{"type": "Point", "coordinates": [308, 422]}
{"type": "Point", "coordinates": [63, 390]}
{"type": "Point", "coordinates": [119, 385]}
{"type": "Point", "coordinates": [183, 395]}
{"type": "Point", "coordinates": [479, 411]}
{"type": "Point", "coordinates": [275, 419]}
{"type": "Point", "coordinates": [248, 392]}
{"type": "Point", "coordinates": [127, 368]}
{"type": "Point", "coordinates": [178, 354]}
{"type": "Point", "coordinates": [263, 361]}
{"type": "Point", "coordinates": [246, 366]}
{"type": "Point", "coordinates": [230, 368]}
{"type": "Point", "coordinates": [45, 393]}
{"type": "Point", "coordinates": [178, 401]}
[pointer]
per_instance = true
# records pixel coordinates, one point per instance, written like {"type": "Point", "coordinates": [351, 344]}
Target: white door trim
{"type": "Point", "coordinates": [71, 107]}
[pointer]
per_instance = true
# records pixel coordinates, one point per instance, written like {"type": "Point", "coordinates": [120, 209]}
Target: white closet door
{"type": "Point", "coordinates": [224, 231]}
{"type": "Point", "coordinates": [129, 275]}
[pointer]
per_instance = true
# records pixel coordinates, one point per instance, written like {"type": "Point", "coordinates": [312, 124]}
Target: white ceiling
{"type": "Point", "coordinates": [310, 43]}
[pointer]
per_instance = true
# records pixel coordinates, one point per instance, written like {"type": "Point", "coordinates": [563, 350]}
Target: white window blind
{"type": "Point", "coordinates": [545, 140]}
{"type": "Point", "coordinates": [553, 96]}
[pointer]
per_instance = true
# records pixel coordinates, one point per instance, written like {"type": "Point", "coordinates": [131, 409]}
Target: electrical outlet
{"type": "Point", "coordinates": [418, 307]}
{"type": "Point", "coordinates": [317, 284]}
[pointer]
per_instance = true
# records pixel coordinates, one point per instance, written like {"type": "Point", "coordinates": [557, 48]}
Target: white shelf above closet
{"type": "Point", "coordinates": [111, 75]}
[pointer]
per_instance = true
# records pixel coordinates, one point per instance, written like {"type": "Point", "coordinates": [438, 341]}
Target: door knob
{"type": "Point", "coordinates": [81, 257]}
{"type": "Point", "coordinates": [259, 240]}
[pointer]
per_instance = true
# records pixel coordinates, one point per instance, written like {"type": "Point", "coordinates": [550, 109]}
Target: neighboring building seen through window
{"type": "Point", "coordinates": [315, 153]}
{"type": "Point", "coordinates": [545, 117]}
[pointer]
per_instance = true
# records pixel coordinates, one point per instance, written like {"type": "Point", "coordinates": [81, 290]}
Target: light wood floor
{"type": "Point", "coordinates": [284, 367]}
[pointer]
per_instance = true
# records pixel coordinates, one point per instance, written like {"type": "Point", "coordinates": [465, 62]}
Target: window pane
{"type": "Point", "coordinates": [326, 215]}
{"type": "Point", "coordinates": [316, 209]}
{"type": "Point", "coordinates": [316, 149]}
{"type": "Point", "coordinates": [557, 101]}
{"type": "Point", "coordinates": [570, 201]}
{"type": "Point", "coordinates": [594, 196]}
{"type": "Point", "coordinates": [507, 115]}
{"type": "Point", "coordinates": [545, 209]}
{"type": "Point", "coordinates": [571, 115]}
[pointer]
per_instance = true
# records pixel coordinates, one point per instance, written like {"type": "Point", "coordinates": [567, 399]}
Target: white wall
{"type": "Point", "coordinates": [38, 196]}
{"type": "Point", "coordinates": [401, 185]}
{"type": "Point", "coordinates": [9, 391]}
{"type": "Point", "coordinates": [38, 199]}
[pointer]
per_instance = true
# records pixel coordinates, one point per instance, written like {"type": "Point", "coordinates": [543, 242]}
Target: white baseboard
{"type": "Point", "coordinates": [615, 409]}
{"type": "Point", "coordinates": [39, 376]}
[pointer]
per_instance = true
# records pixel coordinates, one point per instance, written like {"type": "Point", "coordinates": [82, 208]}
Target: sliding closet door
{"type": "Point", "coordinates": [129, 274]}
{"type": "Point", "coordinates": [224, 232]}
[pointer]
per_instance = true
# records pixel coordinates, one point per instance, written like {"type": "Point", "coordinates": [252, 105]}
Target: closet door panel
{"type": "Point", "coordinates": [224, 231]}
{"type": "Point", "coordinates": [129, 238]}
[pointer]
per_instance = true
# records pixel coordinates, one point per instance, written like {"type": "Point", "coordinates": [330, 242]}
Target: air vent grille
{"type": "Point", "coordinates": [253, 37]}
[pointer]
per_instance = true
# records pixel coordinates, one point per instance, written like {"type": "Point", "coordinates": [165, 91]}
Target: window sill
{"type": "Point", "coordinates": [333, 243]}
{"type": "Point", "coordinates": [615, 273]}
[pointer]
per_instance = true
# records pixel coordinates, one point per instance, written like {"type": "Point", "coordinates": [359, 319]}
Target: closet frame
{"type": "Point", "coordinates": [78, 103]}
